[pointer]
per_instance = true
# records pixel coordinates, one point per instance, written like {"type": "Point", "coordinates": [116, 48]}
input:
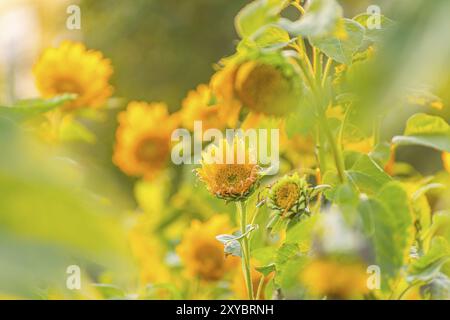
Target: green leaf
{"type": "Point", "coordinates": [321, 18]}
{"type": "Point", "coordinates": [381, 153]}
{"type": "Point", "coordinates": [49, 220]}
{"type": "Point", "coordinates": [341, 48]}
{"type": "Point", "coordinates": [301, 233]}
{"type": "Point", "coordinates": [429, 265]}
{"type": "Point", "coordinates": [425, 130]}
{"type": "Point", "coordinates": [26, 109]}
{"type": "Point", "coordinates": [286, 251]}
{"type": "Point", "coordinates": [374, 34]}
{"type": "Point", "coordinates": [388, 223]}
{"type": "Point", "coordinates": [264, 255]}
{"type": "Point", "coordinates": [266, 270]}
{"type": "Point", "coordinates": [366, 175]}
{"type": "Point", "coordinates": [72, 130]}
{"type": "Point", "coordinates": [271, 37]}
{"type": "Point", "coordinates": [256, 15]}
{"type": "Point", "coordinates": [109, 291]}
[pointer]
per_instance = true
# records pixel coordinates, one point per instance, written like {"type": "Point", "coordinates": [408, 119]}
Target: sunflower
{"type": "Point", "coordinates": [148, 253]}
{"type": "Point", "coordinates": [214, 112]}
{"type": "Point", "coordinates": [200, 252]}
{"type": "Point", "coordinates": [290, 196]}
{"type": "Point", "coordinates": [232, 180]}
{"type": "Point", "coordinates": [267, 83]}
{"type": "Point", "coordinates": [143, 139]}
{"type": "Point", "coordinates": [335, 279]}
{"type": "Point", "coordinates": [266, 88]}
{"type": "Point", "coordinates": [71, 68]}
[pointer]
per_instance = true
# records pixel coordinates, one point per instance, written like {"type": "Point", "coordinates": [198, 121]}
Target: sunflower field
{"type": "Point", "coordinates": [307, 157]}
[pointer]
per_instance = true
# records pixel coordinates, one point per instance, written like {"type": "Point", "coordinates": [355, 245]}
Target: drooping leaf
{"type": "Point", "coordinates": [26, 109]}
{"type": "Point", "coordinates": [425, 130]}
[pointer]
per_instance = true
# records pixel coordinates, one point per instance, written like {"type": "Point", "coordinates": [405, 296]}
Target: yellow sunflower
{"type": "Point", "coordinates": [335, 279]}
{"type": "Point", "coordinates": [202, 105]}
{"type": "Point", "coordinates": [265, 88]}
{"type": "Point", "coordinates": [143, 139]}
{"type": "Point", "coordinates": [232, 180]}
{"type": "Point", "coordinates": [71, 68]}
{"type": "Point", "coordinates": [202, 254]}
{"type": "Point", "coordinates": [148, 252]}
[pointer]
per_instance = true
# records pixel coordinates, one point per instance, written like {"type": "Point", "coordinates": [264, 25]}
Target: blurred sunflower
{"type": "Point", "coordinates": [268, 84]}
{"type": "Point", "coordinates": [202, 105]}
{"type": "Point", "coordinates": [201, 253]}
{"type": "Point", "coordinates": [148, 253]}
{"type": "Point", "coordinates": [233, 181]}
{"type": "Point", "coordinates": [71, 68]}
{"type": "Point", "coordinates": [335, 279]}
{"type": "Point", "coordinates": [265, 88]}
{"type": "Point", "coordinates": [143, 139]}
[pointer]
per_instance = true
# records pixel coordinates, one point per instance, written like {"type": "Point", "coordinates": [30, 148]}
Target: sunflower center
{"type": "Point", "coordinates": [64, 85]}
{"type": "Point", "coordinates": [287, 195]}
{"type": "Point", "coordinates": [231, 175]}
{"type": "Point", "coordinates": [151, 149]}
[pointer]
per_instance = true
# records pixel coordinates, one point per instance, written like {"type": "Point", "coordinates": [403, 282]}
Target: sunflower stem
{"type": "Point", "coordinates": [242, 210]}
{"type": "Point", "coordinates": [260, 286]}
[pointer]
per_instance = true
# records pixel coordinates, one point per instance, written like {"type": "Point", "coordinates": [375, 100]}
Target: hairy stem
{"type": "Point", "coordinates": [242, 210]}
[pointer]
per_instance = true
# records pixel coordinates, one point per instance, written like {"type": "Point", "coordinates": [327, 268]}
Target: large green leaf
{"type": "Point", "coordinates": [256, 15]}
{"type": "Point", "coordinates": [321, 18]}
{"type": "Point", "coordinates": [388, 223]}
{"type": "Point", "coordinates": [341, 48]}
{"type": "Point", "coordinates": [426, 130]}
{"type": "Point", "coordinates": [366, 175]}
{"type": "Point", "coordinates": [48, 220]}
{"type": "Point", "coordinates": [26, 109]}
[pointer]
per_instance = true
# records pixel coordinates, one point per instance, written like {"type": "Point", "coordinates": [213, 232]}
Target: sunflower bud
{"type": "Point", "coordinates": [290, 196]}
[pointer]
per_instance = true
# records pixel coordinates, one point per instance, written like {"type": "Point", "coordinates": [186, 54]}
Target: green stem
{"type": "Point", "coordinates": [326, 71]}
{"type": "Point", "coordinates": [260, 286]}
{"type": "Point", "coordinates": [337, 155]}
{"type": "Point", "coordinates": [317, 64]}
{"type": "Point", "coordinates": [242, 209]}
